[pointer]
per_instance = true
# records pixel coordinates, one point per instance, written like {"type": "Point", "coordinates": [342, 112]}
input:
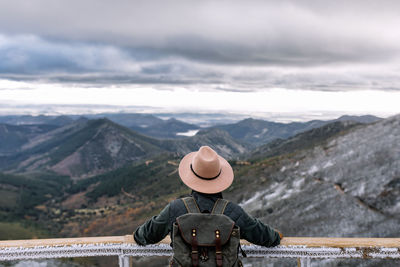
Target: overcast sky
{"type": "Point", "coordinates": [242, 56]}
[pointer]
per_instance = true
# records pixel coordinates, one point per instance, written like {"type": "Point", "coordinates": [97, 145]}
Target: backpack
{"type": "Point", "coordinates": [205, 239]}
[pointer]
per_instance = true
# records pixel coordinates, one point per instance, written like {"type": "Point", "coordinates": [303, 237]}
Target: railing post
{"type": "Point", "coordinates": [124, 261]}
{"type": "Point", "coordinates": [303, 262]}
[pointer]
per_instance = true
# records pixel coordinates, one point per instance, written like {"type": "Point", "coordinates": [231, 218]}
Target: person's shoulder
{"type": "Point", "coordinates": [233, 210]}
{"type": "Point", "coordinates": [177, 206]}
{"type": "Point", "coordinates": [233, 205]}
{"type": "Point", "coordinates": [177, 201]}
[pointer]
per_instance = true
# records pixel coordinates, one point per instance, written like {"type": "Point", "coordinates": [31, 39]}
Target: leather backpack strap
{"type": "Point", "coordinates": [191, 205]}
{"type": "Point", "coordinates": [219, 206]}
{"type": "Point", "coordinates": [218, 249]}
{"type": "Point", "coordinates": [195, 249]}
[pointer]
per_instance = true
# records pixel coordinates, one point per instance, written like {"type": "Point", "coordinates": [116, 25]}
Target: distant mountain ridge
{"type": "Point", "coordinates": [84, 148]}
{"type": "Point", "coordinates": [251, 131]}
{"type": "Point", "coordinates": [90, 147]}
{"type": "Point", "coordinates": [13, 137]}
{"type": "Point", "coordinates": [219, 140]}
{"type": "Point", "coordinates": [259, 132]}
{"type": "Point", "coordinates": [128, 120]}
{"type": "Point", "coordinates": [148, 124]}
{"type": "Point", "coordinates": [168, 129]}
{"type": "Point", "coordinates": [40, 119]}
{"type": "Point", "coordinates": [302, 140]}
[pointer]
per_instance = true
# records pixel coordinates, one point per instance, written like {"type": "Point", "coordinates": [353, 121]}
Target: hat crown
{"type": "Point", "coordinates": [206, 163]}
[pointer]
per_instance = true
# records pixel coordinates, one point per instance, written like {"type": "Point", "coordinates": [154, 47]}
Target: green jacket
{"type": "Point", "coordinates": [251, 229]}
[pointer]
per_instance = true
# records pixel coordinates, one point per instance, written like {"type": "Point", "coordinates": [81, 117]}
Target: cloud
{"type": "Point", "coordinates": [29, 54]}
{"type": "Point", "coordinates": [251, 32]}
{"type": "Point", "coordinates": [247, 46]}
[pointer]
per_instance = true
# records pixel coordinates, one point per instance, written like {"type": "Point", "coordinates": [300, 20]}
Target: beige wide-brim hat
{"type": "Point", "coordinates": [205, 171]}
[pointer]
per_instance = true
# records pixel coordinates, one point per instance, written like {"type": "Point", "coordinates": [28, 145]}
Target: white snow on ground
{"type": "Point", "coordinates": [274, 192]}
{"type": "Point", "coordinates": [360, 191]}
{"type": "Point", "coordinates": [348, 154]}
{"type": "Point", "coordinates": [283, 169]}
{"type": "Point", "coordinates": [328, 164]}
{"type": "Point", "coordinates": [262, 132]}
{"type": "Point", "coordinates": [253, 198]}
{"type": "Point", "coordinates": [296, 188]}
{"type": "Point", "coordinates": [277, 191]}
{"type": "Point", "coordinates": [188, 133]}
{"type": "Point", "coordinates": [298, 183]}
{"type": "Point", "coordinates": [313, 169]}
{"type": "Point", "coordinates": [395, 209]}
{"type": "Point", "coordinates": [288, 193]}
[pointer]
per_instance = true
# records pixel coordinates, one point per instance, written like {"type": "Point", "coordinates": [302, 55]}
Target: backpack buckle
{"type": "Point", "coordinates": [204, 255]}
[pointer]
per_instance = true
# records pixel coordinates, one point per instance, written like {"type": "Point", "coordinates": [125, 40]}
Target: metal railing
{"type": "Point", "coordinates": [302, 248]}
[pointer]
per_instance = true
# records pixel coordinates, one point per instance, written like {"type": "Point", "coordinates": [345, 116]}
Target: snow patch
{"type": "Point", "coordinates": [298, 183]}
{"type": "Point", "coordinates": [328, 164]}
{"type": "Point", "coordinates": [296, 188]}
{"type": "Point", "coordinates": [348, 154]}
{"type": "Point", "coordinates": [395, 209]}
{"type": "Point", "coordinates": [262, 132]}
{"type": "Point", "coordinates": [313, 169]}
{"type": "Point", "coordinates": [283, 169]}
{"type": "Point", "coordinates": [361, 189]}
{"type": "Point", "coordinates": [188, 133]}
{"type": "Point", "coordinates": [277, 192]}
{"type": "Point", "coordinates": [288, 193]}
{"type": "Point", "coordinates": [257, 194]}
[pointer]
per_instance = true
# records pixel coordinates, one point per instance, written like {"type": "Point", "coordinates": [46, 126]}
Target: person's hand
{"type": "Point", "coordinates": [280, 234]}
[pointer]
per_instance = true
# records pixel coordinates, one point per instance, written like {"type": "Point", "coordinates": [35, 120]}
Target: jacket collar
{"type": "Point", "coordinates": [205, 201]}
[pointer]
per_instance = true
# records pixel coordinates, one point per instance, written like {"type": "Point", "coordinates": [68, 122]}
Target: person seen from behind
{"type": "Point", "coordinates": [205, 229]}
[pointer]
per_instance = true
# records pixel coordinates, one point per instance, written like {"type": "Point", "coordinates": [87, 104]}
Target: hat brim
{"type": "Point", "coordinates": [219, 184]}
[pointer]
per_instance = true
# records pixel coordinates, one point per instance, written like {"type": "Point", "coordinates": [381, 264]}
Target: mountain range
{"type": "Point", "coordinates": [95, 177]}
{"type": "Point", "coordinates": [345, 186]}
{"type": "Point", "coordinates": [251, 131]}
{"type": "Point", "coordinates": [89, 147]}
{"type": "Point", "coordinates": [85, 147]}
{"type": "Point", "coordinates": [259, 132]}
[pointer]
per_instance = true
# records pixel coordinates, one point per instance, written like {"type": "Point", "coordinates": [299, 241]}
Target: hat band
{"type": "Point", "coordinates": [205, 178]}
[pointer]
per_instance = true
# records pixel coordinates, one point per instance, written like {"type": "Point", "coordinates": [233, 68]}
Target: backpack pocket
{"type": "Point", "coordinates": [206, 249]}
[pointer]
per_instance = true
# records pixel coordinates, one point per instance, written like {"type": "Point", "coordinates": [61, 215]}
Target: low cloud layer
{"type": "Point", "coordinates": [222, 45]}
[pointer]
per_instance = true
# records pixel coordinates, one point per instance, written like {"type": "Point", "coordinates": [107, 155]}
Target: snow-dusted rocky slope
{"type": "Point", "coordinates": [347, 187]}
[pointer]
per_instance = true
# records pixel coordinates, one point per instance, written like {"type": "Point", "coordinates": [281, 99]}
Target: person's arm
{"type": "Point", "coordinates": [256, 232]}
{"type": "Point", "coordinates": [154, 230]}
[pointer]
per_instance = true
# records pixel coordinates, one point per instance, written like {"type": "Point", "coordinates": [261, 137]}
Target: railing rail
{"type": "Point", "coordinates": [302, 248]}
